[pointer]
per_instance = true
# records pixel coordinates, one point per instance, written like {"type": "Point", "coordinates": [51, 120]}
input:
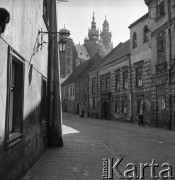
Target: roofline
{"type": "Point", "coordinates": [138, 20]}
{"type": "Point", "coordinates": [127, 54]}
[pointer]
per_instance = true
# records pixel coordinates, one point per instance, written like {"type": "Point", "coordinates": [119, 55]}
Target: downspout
{"type": "Point", "coordinates": [170, 62]}
{"type": "Point", "coordinates": [88, 94]}
{"type": "Point", "coordinates": [130, 74]}
{"type": "Point", "coordinates": [97, 96]}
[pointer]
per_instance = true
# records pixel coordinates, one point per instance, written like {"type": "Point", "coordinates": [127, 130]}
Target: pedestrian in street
{"type": "Point", "coordinates": [140, 119]}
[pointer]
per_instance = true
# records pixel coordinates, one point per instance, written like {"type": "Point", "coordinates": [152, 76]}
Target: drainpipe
{"type": "Point", "coordinates": [130, 74]}
{"type": "Point", "coordinates": [97, 96]}
{"type": "Point", "coordinates": [170, 62]}
{"type": "Point", "coordinates": [88, 94]}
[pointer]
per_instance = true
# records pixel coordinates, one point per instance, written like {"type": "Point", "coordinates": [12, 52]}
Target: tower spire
{"type": "Point", "coordinates": [93, 18]}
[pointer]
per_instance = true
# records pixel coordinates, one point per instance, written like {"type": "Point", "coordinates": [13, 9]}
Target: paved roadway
{"type": "Point", "coordinates": [87, 141]}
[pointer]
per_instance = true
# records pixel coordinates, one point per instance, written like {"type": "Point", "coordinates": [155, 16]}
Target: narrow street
{"type": "Point", "coordinates": [87, 141]}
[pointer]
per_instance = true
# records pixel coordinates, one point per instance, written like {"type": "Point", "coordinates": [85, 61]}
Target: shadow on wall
{"type": "Point", "coordinates": [18, 159]}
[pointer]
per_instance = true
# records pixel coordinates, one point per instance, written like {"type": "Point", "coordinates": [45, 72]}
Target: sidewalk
{"type": "Point", "coordinates": [79, 158]}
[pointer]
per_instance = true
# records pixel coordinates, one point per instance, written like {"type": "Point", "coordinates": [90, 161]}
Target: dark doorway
{"type": "Point", "coordinates": [105, 110]}
{"type": "Point", "coordinates": [78, 108]}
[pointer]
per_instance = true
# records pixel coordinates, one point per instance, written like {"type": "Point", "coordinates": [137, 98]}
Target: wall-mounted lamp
{"type": "Point", "coordinates": [4, 19]}
{"type": "Point", "coordinates": [53, 35]}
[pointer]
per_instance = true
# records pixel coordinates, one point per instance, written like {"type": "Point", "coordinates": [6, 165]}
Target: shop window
{"type": "Point", "coordinates": [15, 91]}
{"type": "Point", "coordinates": [138, 76]}
{"type": "Point", "coordinates": [145, 34]}
{"type": "Point", "coordinates": [134, 40]}
{"type": "Point", "coordinates": [161, 47]}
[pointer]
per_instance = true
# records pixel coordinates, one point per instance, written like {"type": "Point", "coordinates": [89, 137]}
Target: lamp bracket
{"type": "Point", "coordinates": [51, 37]}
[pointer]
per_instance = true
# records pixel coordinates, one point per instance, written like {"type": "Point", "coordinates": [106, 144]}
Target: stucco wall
{"type": "Point", "coordinates": [21, 34]}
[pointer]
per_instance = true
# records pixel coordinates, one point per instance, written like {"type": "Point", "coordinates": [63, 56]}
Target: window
{"type": "Point", "coordinates": [102, 85]}
{"type": "Point", "coordinates": [93, 103]}
{"type": "Point", "coordinates": [145, 34]}
{"type": "Point", "coordinates": [117, 106]}
{"type": "Point", "coordinates": [44, 100]}
{"type": "Point", "coordinates": [125, 80]}
{"type": "Point", "coordinates": [105, 84]}
{"type": "Point", "coordinates": [124, 107]}
{"type": "Point", "coordinates": [134, 40]}
{"type": "Point", "coordinates": [46, 12]}
{"type": "Point", "coordinates": [117, 81]}
{"type": "Point", "coordinates": [140, 106]}
{"type": "Point", "coordinates": [160, 10]}
{"type": "Point", "coordinates": [93, 86]}
{"type": "Point", "coordinates": [138, 76]}
{"type": "Point", "coordinates": [108, 84]}
{"type": "Point", "coordinates": [14, 110]}
{"type": "Point", "coordinates": [161, 98]}
{"type": "Point", "coordinates": [161, 47]}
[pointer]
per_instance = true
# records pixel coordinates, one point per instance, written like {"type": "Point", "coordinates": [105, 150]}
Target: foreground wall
{"type": "Point", "coordinates": [20, 147]}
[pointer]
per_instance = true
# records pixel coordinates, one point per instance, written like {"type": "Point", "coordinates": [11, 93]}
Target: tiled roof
{"type": "Point", "coordinates": [82, 69]}
{"type": "Point", "coordinates": [118, 52]}
{"type": "Point", "coordinates": [77, 71]}
{"type": "Point", "coordinates": [138, 20]}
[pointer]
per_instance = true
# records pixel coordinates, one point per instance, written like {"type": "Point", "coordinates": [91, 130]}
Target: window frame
{"type": "Point", "coordinates": [145, 34]}
{"type": "Point", "coordinates": [160, 9]}
{"type": "Point", "coordinates": [44, 101]}
{"type": "Point", "coordinates": [11, 138]}
{"type": "Point", "coordinates": [46, 11]}
{"type": "Point", "coordinates": [125, 79]}
{"type": "Point", "coordinates": [161, 40]}
{"type": "Point", "coordinates": [134, 40]}
{"type": "Point", "coordinates": [139, 74]}
{"type": "Point", "coordinates": [117, 80]}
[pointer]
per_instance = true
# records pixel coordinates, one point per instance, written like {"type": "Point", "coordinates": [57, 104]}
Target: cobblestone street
{"type": "Point", "coordinates": [87, 141]}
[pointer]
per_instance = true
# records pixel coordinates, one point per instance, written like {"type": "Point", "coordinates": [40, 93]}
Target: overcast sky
{"type": "Point", "coordinates": [77, 17]}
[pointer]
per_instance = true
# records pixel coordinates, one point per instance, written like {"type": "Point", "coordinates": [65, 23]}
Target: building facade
{"type": "Point", "coordinates": [25, 86]}
{"type": "Point", "coordinates": [141, 64]}
{"type": "Point", "coordinates": [161, 24]}
{"type": "Point", "coordinates": [109, 85]}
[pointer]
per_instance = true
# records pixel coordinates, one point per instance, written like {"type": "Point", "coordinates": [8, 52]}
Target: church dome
{"type": "Point", "coordinates": [64, 31]}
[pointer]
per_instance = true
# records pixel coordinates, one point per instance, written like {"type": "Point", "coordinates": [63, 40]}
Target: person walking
{"type": "Point", "coordinates": [140, 119]}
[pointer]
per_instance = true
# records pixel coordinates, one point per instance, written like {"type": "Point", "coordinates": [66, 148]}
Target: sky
{"type": "Point", "coordinates": [76, 15]}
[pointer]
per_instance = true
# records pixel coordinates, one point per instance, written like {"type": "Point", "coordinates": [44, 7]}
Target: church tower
{"type": "Point", "coordinates": [106, 36]}
{"type": "Point", "coordinates": [93, 32]}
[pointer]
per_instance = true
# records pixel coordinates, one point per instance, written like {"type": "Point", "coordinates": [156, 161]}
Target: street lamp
{"type": "Point", "coordinates": [62, 44]}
